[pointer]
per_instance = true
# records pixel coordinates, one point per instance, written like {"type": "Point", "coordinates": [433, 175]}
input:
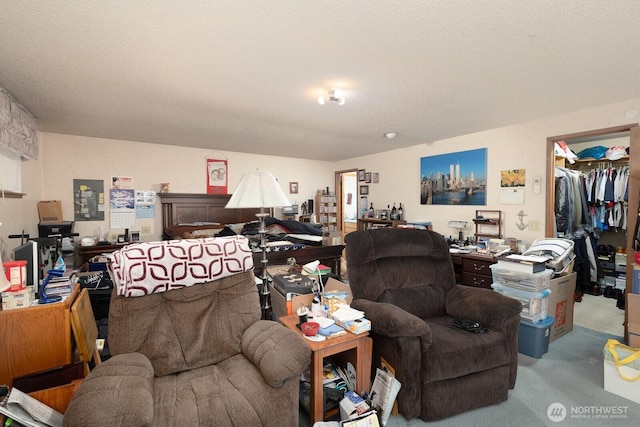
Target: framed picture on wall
{"type": "Point", "coordinates": [293, 188]}
{"type": "Point", "coordinates": [367, 177]}
{"type": "Point", "coordinates": [361, 175]}
{"type": "Point", "coordinates": [364, 190]}
{"type": "Point", "coordinates": [375, 177]}
{"type": "Point", "coordinates": [454, 179]}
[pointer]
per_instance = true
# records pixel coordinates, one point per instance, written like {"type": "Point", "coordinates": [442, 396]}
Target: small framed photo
{"type": "Point", "coordinates": [120, 238]}
{"type": "Point", "coordinates": [367, 177]}
{"type": "Point", "coordinates": [361, 175]}
{"type": "Point", "coordinates": [375, 178]}
{"type": "Point", "coordinates": [135, 236]}
{"type": "Point", "coordinates": [293, 188]}
{"type": "Point", "coordinates": [364, 190]}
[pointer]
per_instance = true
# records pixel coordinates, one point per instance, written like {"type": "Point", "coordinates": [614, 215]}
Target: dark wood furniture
{"type": "Point", "coordinates": [369, 223]}
{"type": "Point", "coordinates": [84, 253]}
{"type": "Point", "coordinates": [473, 269]}
{"type": "Point", "coordinates": [187, 208]}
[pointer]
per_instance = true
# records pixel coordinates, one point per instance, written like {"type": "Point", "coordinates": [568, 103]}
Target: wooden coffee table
{"type": "Point", "coordinates": [353, 348]}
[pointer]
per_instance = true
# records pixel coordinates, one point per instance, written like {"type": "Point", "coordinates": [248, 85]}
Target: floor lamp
{"type": "Point", "coordinates": [260, 189]}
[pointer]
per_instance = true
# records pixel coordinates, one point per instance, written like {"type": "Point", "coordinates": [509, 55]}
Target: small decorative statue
{"type": "Point", "coordinates": [164, 187]}
{"type": "Point", "coordinates": [303, 208]}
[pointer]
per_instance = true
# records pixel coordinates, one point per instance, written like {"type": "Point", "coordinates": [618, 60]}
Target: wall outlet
{"type": "Point", "coordinates": [534, 225]}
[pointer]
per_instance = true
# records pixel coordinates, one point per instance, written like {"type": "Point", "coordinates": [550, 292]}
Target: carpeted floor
{"type": "Point", "coordinates": [600, 314]}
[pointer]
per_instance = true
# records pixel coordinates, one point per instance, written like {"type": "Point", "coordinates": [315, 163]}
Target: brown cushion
{"type": "Point", "coordinates": [423, 301]}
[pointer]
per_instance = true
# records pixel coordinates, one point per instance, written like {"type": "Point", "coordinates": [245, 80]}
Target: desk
{"type": "Point", "coordinates": [473, 269]}
{"type": "Point", "coordinates": [35, 338]}
{"type": "Point", "coordinates": [356, 348]}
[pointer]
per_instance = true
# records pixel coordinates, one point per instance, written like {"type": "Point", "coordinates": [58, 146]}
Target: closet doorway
{"type": "Point", "coordinates": [616, 237]}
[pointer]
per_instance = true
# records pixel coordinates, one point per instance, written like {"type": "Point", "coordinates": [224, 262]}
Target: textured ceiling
{"type": "Point", "coordinates": [245, 75]}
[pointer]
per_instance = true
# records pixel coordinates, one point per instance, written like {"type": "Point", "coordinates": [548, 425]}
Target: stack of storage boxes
{"type": "Point", "coordinates": [532, 290]}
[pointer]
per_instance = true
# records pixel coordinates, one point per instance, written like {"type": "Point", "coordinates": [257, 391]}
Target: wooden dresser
{"type": "Point", "coordinates": [473, 269]}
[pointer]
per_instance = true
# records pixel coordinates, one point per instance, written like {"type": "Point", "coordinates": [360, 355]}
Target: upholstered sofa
{"type": "Point", "coordinates": [404, 282]}
{"type": "Point", "coordinates": [189, 354]}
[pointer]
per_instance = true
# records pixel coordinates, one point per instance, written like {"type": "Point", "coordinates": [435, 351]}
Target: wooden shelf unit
{"type": "Point", "coordinates": [370, 223]}
{"type": "Point", "coordinates": [327, 209]}
{"type": "Point", "coordinates": [494, 220]}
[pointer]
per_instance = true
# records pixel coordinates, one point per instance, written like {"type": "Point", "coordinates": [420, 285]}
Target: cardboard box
{"type": "Point", "coordinates": [50, 211]}
{"type": "Point", "coordinates": [633, 319]}
{"type": "Point", "coordinates": [561, 305]}
{"type": "Point", "coordinates": [285, 305]}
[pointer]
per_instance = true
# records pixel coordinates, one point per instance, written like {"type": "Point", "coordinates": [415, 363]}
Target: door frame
{"type": "Point", "coordinates": [634, 183]}
{"type": "Point", "coordinates": [338, 187]}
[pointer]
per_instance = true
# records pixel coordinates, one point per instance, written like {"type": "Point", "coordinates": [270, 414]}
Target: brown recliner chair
{"type": "Point", "coordinates": [193, 356]}
{"type": "Point", "coordinates": [404, 282]}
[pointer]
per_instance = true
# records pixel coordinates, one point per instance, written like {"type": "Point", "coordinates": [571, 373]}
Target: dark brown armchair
{"type": "Point", "coordinates": [404, 281]}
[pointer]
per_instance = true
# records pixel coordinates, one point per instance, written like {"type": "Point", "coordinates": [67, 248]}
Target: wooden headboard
{"type": "Point", "coordinates": [187, 208]}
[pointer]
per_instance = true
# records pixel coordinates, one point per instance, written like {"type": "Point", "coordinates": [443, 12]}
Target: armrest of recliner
{"type": "Point", "coordinates": [392, 321]}
{"type": "Point", "coordinates": [118, 392]}
{"type": "Point", "coordinates": [279, 353]}
{"type": "Point", "coordinates": [486, 306]}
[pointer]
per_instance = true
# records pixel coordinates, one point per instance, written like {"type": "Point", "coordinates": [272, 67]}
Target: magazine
{"type": "Point", "coordinates": [384, 392]}
{"type": "Point", "coordinates": [28, 411]}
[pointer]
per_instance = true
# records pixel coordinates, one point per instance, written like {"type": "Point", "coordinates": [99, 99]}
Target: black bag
{"type": "Point", "coordinates": [97, 280]}
{"type": "Point", "coordinates": [469, 325]}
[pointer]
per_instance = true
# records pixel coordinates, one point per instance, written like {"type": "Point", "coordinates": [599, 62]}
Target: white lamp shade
{"type": "Point", "coordinates": [258, 189]}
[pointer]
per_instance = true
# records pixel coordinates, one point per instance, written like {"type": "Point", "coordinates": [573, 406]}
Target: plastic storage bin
{"type": "Point", "coordinates": [530, 282]}
{"type": "Point", "coordinates": [533, 338]}
{"type": "Point", "coordinates": [534, 304]}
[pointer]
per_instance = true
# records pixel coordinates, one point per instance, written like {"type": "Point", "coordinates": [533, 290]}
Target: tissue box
{"type": "Point", "coordinates": [17, 299]}
{"type": "Point", "coordinates": [357, 326]}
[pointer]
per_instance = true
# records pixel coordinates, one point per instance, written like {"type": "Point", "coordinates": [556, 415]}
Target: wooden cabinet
{"type": "Point", "coordinates": [488, 224]}
{"type": "Point", "coordinates": [369, 223]}
{"type": "Point", "coordinates": [327, 209]}
{"type": "Point", "coordinates": [473, 269]}
{"type": "Point", "coordinates": [35, 339]}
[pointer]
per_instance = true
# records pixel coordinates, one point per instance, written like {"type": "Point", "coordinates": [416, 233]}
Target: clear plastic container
{"type": "Point", "coordinates": [530, 282]}
{"type": "Point", "coordinates": [534, 304]}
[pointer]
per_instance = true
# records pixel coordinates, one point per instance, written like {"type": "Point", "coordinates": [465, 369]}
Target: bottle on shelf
{"type": "Point", "coordinates": [371, 211]}
{"type": "Point", "coordinates": [394, 212]}
{"type": "Point", "coordinates": [400, 214]}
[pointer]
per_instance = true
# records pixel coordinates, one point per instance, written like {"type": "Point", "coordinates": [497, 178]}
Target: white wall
{"type": "Point", "coordinates": [65, 157]}
{"type": "Point", "coordinates": [513, 147]}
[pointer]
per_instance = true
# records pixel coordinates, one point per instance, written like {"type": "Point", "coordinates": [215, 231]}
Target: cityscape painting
{"type": "Point", "coordinates": [454, 179]}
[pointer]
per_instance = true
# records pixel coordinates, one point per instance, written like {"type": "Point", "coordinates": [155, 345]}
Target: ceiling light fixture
{"type": "Point", "coordinates": [390, 135]}
{"type": "Point", "coordinates": [335, 96]}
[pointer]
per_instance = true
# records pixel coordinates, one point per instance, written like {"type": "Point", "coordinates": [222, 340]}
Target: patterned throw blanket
{"type": "Point", "coordinates": [145, 268]}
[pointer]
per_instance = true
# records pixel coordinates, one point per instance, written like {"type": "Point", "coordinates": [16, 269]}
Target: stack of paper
{"type": "Point", "coordinates": [346, 313]}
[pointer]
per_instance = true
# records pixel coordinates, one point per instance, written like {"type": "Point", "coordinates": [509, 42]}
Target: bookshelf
{"type": "Point", "coordinates": [327, 209]}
